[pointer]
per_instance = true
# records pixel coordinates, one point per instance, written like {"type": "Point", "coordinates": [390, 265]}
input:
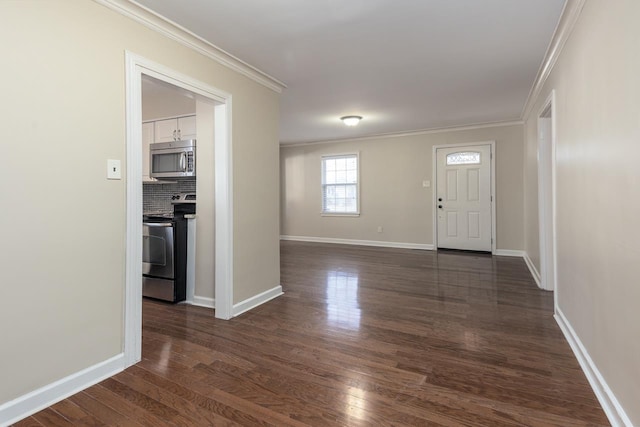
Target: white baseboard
{"type": "Point", "coordinates": [532, 268]}
{"type": "Point", "coordinates": [30, 403]}
{"type": "Point", "coordinates": [612, 408]}
{"type": "Point", "coordinates": [257, 300]}
{"type": "Point", "coordinates": [203, 302]}
{"type": "Point", "coordinates": [509, 252]}
{"type": "Point", "coordinates": [377, 243]}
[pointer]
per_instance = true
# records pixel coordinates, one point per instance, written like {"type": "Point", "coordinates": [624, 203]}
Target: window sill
{"type": "Point", "coordinates": [357, 214]}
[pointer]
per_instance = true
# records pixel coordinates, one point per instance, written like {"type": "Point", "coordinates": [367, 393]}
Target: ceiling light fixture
{"type": "Point", "coordinates": [351, 120]}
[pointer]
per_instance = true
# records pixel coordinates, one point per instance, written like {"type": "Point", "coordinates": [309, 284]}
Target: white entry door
{"type": "Point", "coordinates": [463, 198]}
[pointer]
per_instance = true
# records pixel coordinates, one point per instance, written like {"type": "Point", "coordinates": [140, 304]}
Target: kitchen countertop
{"type": "Point", "coordinates": [157, 213]}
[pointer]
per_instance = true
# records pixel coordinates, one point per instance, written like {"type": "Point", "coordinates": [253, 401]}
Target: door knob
{"type": "Point", "coordinates": [439, 199]}
{"type": "Point", "coordinates": [439, 206]}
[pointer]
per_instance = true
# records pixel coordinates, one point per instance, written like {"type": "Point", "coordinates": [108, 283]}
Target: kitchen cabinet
{"type": "Point", "coordinates": [147, 139]}
{"type": "Point", "coordinates": [177, 129]}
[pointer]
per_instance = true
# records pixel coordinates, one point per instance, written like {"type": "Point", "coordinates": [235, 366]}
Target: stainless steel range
{"type": "Point", "coordinates": [164, 250]}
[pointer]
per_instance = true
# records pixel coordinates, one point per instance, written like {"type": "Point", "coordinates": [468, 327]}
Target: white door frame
{"type": "Point", "coordinates": [136, 66]}
{"type": "Point", "coordinates": [547, 198]}
{"type": "Point", "coordinates": [435, 188]}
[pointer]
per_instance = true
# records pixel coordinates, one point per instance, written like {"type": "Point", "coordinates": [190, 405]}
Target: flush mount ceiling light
{"type": "Point", "coordinates": [351, 120]}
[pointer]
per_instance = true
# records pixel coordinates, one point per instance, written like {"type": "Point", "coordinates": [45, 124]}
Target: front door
{"type": "Point", "coordinates": [463, 198]}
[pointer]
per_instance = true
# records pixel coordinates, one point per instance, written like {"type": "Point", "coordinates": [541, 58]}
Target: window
{"type": "Point", "coordinates": [463, 158]}
{"type": "Point", "coordinates": [340, 184]}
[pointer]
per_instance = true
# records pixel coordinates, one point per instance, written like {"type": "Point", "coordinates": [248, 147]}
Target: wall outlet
{"type": "Point", "coordinates": [379, 229]}
{"type": "Point", "coordinates": [113, 169]}
{"type": "Point", "coordinates": [426, 184]}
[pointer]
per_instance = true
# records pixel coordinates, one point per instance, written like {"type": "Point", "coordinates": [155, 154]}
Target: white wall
{"type": "Point", "coordinates": [392, 196]}
{"type": "Point", "coordinates": [63, 266]}
{"type": "Point", "coordinates": [205, 208]}
{"type": "Point", "coordinates": [598, 190]}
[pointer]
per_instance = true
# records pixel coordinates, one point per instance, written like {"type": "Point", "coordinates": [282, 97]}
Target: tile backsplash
{"type": "Point", "coordinates": [157, 197]}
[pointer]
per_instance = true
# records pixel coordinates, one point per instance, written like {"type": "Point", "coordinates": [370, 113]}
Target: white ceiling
{"type": "Point", "coordinates": [403, 65]}
{"type": "Point", "coordinates": [161, 100]}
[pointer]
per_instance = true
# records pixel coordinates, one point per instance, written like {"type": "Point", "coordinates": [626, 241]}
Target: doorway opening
{"type": "Point", "coordinates": [547, 193]}
{"type": "Point", "coordinates": [463, 197]}
{"type": "Point", "coordinates": [214, 106]}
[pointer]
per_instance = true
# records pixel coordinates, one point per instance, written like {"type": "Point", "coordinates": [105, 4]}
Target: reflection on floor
{"type": "Point", "coordinates": [362, 336]}
{"type": "Point", "coordinates": [342, 299]}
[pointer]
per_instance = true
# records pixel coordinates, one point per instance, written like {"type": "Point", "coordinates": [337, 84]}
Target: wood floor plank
{"type": "Point", "coordinates": [132, 414]}
{"type": "Point", "coordinates": [362, 336]}
{"type": "Point", "coordinates": [215, 399]}
{"type": "Point", "coordinates": [28, 422]}
{"type": "Point", "coordinates": [49, 417]}
{"type": "Point", "coordinates": [93, 401]}
{"type": "Point", "coordinates": [75, 414]}
{"type": "Point", "coordinates": [190, 413]}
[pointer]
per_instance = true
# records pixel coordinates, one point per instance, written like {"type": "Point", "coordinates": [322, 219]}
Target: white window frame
{"type": "Point", "coordinates": [322, 184]}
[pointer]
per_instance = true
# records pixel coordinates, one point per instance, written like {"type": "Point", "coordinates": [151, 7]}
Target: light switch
{"type": "Point", "coordinates": [426, 184]}
{"type": "Point", "coordinates": [113, 169]}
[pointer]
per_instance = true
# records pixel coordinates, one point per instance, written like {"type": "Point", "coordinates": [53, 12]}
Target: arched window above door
{"type": "Point", "coordinates": [463, 158]}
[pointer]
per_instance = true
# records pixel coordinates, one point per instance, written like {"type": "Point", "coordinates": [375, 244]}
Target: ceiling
{"type": "Point", "coordinates": [161, 99]}
{"type": "Point", "coordinates": [404, 65]}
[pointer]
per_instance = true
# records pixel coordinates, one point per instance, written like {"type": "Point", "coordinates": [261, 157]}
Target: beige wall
{"type": "Point", "coordinates": [598, 190]}
{"type": "Point", "coordinates": [531, 230]}
{"type": "Point", "coordinates": [63, 111]}
{"type": "Point", "coordinates": [391, 173]}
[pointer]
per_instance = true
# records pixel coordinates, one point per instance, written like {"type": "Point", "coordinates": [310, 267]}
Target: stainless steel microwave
{"type": "Point", "coordinates": [173, 160]}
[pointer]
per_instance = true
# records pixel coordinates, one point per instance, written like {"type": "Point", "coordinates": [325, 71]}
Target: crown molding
{"type": "Point", "coordinates": [173, 31]}
{"type": "Point", "coordinates": [567, 22]}
{"type": "Point", "coordinates": [408, 133]}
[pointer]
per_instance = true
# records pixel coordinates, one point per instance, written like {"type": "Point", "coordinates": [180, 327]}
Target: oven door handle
{"type": "Point", "coordinates": [158, 224]}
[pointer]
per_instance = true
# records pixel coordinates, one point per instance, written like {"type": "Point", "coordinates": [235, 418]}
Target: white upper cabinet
{"type": "Point", "coordinates": [187, 127]}
{"type": "Point", "coordinates": [175, 129]}
{"type": "Point", "coordinates": [166, 130]}
{"type": "Point", "coordinates": [147, 139]}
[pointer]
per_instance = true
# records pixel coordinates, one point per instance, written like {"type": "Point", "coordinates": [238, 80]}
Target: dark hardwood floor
{"type": "Point", "coordinates": [362, 336]}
